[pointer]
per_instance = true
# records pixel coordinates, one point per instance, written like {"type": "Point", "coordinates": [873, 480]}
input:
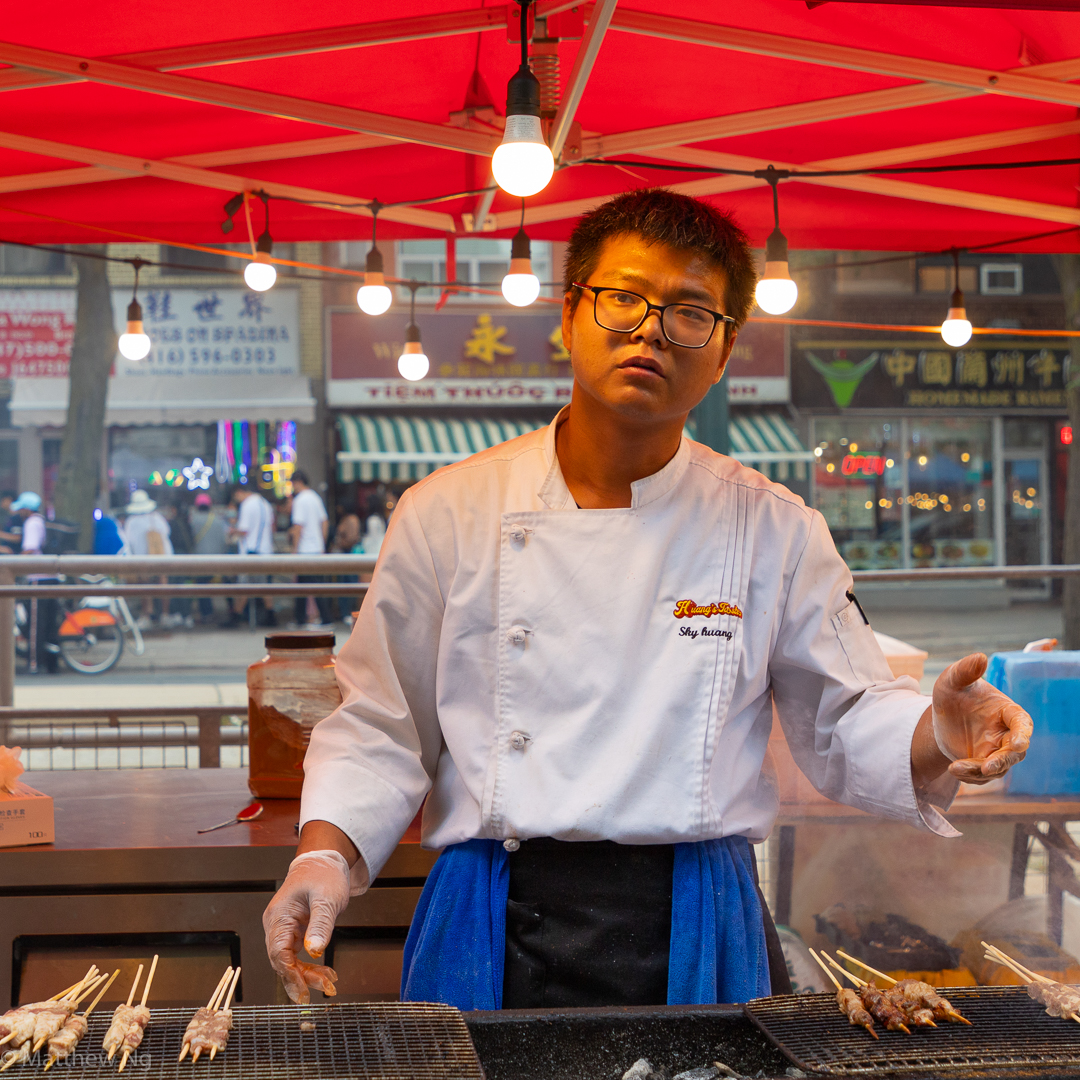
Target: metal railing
{"type": "Point", "coordinates": [121, 737]}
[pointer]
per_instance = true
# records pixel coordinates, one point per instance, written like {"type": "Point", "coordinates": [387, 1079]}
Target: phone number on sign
{"type": "Point", "coordinates": [238, 356]}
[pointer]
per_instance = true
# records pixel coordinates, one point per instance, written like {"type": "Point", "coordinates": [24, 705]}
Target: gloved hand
{"type": "Point", "coordinates": [315, 892]}
{"type": "Point", "coordinates": [980, 730]}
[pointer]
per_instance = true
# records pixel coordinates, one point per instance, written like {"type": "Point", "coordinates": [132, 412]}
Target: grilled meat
{"type": "Point", "coordinates": [62, 1044]}
{"type": "Point", "coordinates": [852, 1007]}
{"type": "Point", "coordinates": [924, 996]}
{"type": "Point", "coordinates": [883, 1009]}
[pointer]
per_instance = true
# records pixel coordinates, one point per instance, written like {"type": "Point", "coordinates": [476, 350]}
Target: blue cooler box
{"type": "Point", "coordinates": [1047, 684]}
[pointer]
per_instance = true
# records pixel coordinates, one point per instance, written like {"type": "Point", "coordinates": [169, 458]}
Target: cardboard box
{"type": "Point", "coordinates": [26, 817]}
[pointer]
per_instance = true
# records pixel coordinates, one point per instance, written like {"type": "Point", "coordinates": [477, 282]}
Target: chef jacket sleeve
{"type": "Point", "coordinates": [370, 762]}
{"type": "Point", "coordinates": [847, 720]}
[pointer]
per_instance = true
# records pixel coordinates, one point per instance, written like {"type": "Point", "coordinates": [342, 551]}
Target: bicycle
{"type": "Point", "coordinates": [90, 637]}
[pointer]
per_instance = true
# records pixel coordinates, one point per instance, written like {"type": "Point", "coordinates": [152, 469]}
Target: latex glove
{"type": "Point", "coordinates": [304, 910]}
{"type": "Point", "coordinates": [980, 730]}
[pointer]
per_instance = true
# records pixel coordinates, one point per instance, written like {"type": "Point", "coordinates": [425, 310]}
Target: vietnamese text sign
{"type": "Point", "coordinates": [926, 374]}
{"type": "Point", "coordinates": [374, 393]}
{"type": "Point", "coordinates": [213, 332]}
{"type": "Point", "coordinates": [37, 327]}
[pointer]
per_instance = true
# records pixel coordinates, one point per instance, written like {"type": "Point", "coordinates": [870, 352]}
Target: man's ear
{"type": "Point", "coordinates": [568, 319]}
{"type": "Point", "coordinates": [729, 344]}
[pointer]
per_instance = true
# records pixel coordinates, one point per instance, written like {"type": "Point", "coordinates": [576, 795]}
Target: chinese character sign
{"type": "Point", "coordinates": [1000, 374]}
{"type": "Point", "coordinates": [214, 332]}
{"type": "Point", "coordinates": [37, 327]}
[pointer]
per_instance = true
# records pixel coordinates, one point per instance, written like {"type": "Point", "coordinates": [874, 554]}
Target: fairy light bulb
{"type": "Point", "coordinates": [135, 344]}
{"type": "Point", "coordinates": [260, 274]}
{"type": "Point", "coordinates": [520, 286]}
{"type": "Point", "coordinates": [413, 363]}
{"type": "Point", "coordinates": [374, 297]}
{"type": "Point", "coordinates": [956, 329]}
{"type": "Point", "coordinates": [776, 293]}
{"type": "Point", "coordinates": [522, 163]}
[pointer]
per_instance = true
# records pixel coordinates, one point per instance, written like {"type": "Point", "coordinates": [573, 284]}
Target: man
{"type": "Point", "coordinates": [578, 637]}
{"type": "Point", "coordinates": [254, 535]}
{"type": "Point", "coordinates": [308, 533]}
{"type": "Point", "coordinates": [147, 533]}
{"type": "Point", "coordinates": [42, 647]}
{"type": "Point", "coordinates": [208, 527]}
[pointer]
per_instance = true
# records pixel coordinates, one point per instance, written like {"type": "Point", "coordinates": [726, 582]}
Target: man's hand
{"type": "Point", "coordinates": [303, 911]}
{"type": "Point", "coordinates": [980, 731]}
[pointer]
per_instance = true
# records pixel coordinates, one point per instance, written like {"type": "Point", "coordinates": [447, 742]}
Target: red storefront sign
{"type": "Point", "coordinates": [37, 327]}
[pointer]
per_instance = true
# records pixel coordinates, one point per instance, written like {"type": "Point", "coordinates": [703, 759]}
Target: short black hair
{"type": "Point", "coordinates": [298, 475]}
{"type": "Point", "coordinates": [662, 216]}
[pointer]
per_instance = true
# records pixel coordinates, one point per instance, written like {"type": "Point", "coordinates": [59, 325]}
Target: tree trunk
{"type": "Point", "coordinates": [1068, 270]}
{"type": "Point", "coordinates": [92, 355]}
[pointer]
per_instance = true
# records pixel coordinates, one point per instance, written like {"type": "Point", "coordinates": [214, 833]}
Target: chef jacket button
{"type": "Point", "coordinates": [519, 534]}
{"type": "Point", "coordinates": [518, 740]}
{"type": "Point", "coordinates": [517, 635]}
{"type": "Point", "coordinates": [512, 844]}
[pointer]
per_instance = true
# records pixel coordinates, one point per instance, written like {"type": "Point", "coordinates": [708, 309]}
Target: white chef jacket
{"type": "Point", "coordinates": [535, 669]}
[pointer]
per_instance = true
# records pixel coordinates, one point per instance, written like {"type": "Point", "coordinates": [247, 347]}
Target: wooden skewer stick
{"type": "Point", "coordinates": [149, 980]}
{"type": "Point", "coordinates": [91, 988]}
{"type": "Point", "coordinates": [195, 1056]}
{"type": "Point", "coordinates": [64, 993]}
{"type": "Point", "coordinates": [130, 999]}
{"type": "Point", "coordinates": [101, 993]}
{"type": "Point", "coordinates": [77, 989]}
{"type": "Point", "coordinates": [998, 956]}
{"type": "Point", "coordinates": [822, 965]}
{"type": "Point", "coordinates": [124, 1060]}
{"type": "Point", "coordinates": [860, 983]}
{"type": "Point", "coordinates": [866, 967]}
{"type": "Point", "coordinates": [232, 988]}
{"type": "Point", "coordinates": [222, 983]}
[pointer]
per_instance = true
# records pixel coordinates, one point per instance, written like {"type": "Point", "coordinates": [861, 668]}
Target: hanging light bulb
{"type": "Point", "coordinates": [776, 293]}
{"type": "Point", "coordinates": [135, 344]}
{"type": "Point", "coordinates": [521, 286]}
{"type": "Point", "coordinates": [413, 363]}
{"type": "Point", "coordinates": [956, 329]}
{"type": "Point", "coordinates": [522, 163]}
{"type": "Point", "coordinates": [373, 296]}
{"type": "Point", "coordinates": [260, 274]}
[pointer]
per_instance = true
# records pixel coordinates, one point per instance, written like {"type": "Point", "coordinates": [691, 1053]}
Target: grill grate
{"type": "Point", "coordinates": [389, 1041]}
{"type": "Point", "coordinates": [1008, 1030]}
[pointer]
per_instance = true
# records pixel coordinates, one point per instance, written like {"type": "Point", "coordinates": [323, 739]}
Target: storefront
{"type": "Point", "coordinates": [216, 401]}
{"type": "Point", "coordinates": [926, 456]}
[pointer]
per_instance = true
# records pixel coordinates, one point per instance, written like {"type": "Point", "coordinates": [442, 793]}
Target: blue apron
{"type": "Point", "coordinates": [456, 943]}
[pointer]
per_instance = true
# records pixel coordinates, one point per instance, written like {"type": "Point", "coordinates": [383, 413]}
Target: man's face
{"type": "Point", "coordinates": [641, 375]}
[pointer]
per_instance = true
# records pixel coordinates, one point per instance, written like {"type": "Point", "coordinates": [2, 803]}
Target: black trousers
{"type": "Point", "coordinates": [324, 603]}
{"type": "Point", "coordinates": [590, 924]}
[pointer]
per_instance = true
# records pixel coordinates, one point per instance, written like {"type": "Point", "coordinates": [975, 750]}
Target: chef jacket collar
{"type": "Point", "coordinates": [556, 495]}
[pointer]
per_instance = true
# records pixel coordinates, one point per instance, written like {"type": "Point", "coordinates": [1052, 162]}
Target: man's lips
{"type": "Point", "coordinates": [642, 363]}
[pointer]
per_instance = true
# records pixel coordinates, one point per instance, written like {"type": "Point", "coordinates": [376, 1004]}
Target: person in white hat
{"type": "Point", "coordinates": [147, 533]}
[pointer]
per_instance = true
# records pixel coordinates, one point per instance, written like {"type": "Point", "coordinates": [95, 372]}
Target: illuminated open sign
{"type": "Point", "coordinates": [866, 464]}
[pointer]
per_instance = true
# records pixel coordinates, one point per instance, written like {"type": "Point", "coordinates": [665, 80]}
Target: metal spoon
{"type": "Point", "coordinates": [249, 813]}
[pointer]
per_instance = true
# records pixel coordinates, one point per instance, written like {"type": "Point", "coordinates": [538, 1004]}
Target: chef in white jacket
{"type": "Point", "coordinates": [571, 649]}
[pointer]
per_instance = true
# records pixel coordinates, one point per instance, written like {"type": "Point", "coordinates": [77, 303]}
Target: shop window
{"type": "Point", "coordinates": [1025, 434]}
{"type": "Point", "coordinates": [914, 492]}
{"type": "Point", "coordinates": [482, 262]}
{"type": "Point", "coordinates": [1001, 279]}
{"type": "Point", "coordinates": [859, 273]}
{"type": "Point", "coordinates": [858, 489]}
{"type": "Point", "coordinates": [939, 278]}
{"type": "Point", "coordinates": [18, 261]}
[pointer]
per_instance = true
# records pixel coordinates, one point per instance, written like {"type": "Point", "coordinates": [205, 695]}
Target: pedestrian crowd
{"type": "Point", "coordinates": [241, 521]}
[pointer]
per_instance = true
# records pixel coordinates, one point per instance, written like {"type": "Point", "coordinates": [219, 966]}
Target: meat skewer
{"type": "Point", "coordinates": [213, 1035]}
{"type": "Point", "coordinates": [62, 1044]}
{"type": "Point", "coordinates": [875, 1002]}
{"type": "Point", "coordinates": [140, 1017]}
{"type": "Point", "coordinates": [1059, 999]}
{"type": "Point", "coordinates": [200, 1021]}
{"type": "Point", "coordinates": [848, 1002]}
{"type": "Point", "coordinates": [122, 1014]}
{"type": "Point", "coordinates": [49, 1022]}
{"type": "Point", "coordinates": [914, 994]}
{"type": "Point", "coordinates": [17, 1025]}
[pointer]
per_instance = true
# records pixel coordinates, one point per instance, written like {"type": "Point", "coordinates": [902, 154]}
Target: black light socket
{"type": "Point", "coordinates": [776, 249]}
{"type": "Point", "coordinates": [135, 311]}
{"type": "Point", "coordinates": [374, 264]}
{"type": "Point", "coordinates": [412, 332]}
{"type": "Point", "coordinates": [957, 299]}
{"type": "Point", "coordinates": [520, 248]}
{"type": "Point", "coordinates": [265, 243]}
{"type": "Point", "coordinates": [523, 94]}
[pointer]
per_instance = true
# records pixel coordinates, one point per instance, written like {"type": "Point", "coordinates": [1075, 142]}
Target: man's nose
{"type": "Point", "coordinates": [651, 330]}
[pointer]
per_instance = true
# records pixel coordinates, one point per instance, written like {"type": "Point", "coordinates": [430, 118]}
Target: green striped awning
{"type": "Point", "coordinates": [766, 441]}
{"type": "Point", "coordinates": [375, 447]}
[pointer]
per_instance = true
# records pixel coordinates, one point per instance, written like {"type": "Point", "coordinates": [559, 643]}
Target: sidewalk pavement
{"type": "Point", "coordinates": [205, 667]}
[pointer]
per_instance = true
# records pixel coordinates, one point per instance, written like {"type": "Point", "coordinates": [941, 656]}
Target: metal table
{"type": "Point", "coordinates": [128, 860]}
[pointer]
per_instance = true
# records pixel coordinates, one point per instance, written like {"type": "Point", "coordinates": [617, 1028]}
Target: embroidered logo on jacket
{"type": "Point", "coordinates": [687, 609]}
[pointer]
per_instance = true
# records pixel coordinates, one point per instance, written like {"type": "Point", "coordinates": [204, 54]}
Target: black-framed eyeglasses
{"type": "Point", "coordinates": [686, 325]}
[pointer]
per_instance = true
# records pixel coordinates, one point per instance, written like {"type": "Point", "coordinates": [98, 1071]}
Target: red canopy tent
{"type": "Point", "coordinates": [135, 119]}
